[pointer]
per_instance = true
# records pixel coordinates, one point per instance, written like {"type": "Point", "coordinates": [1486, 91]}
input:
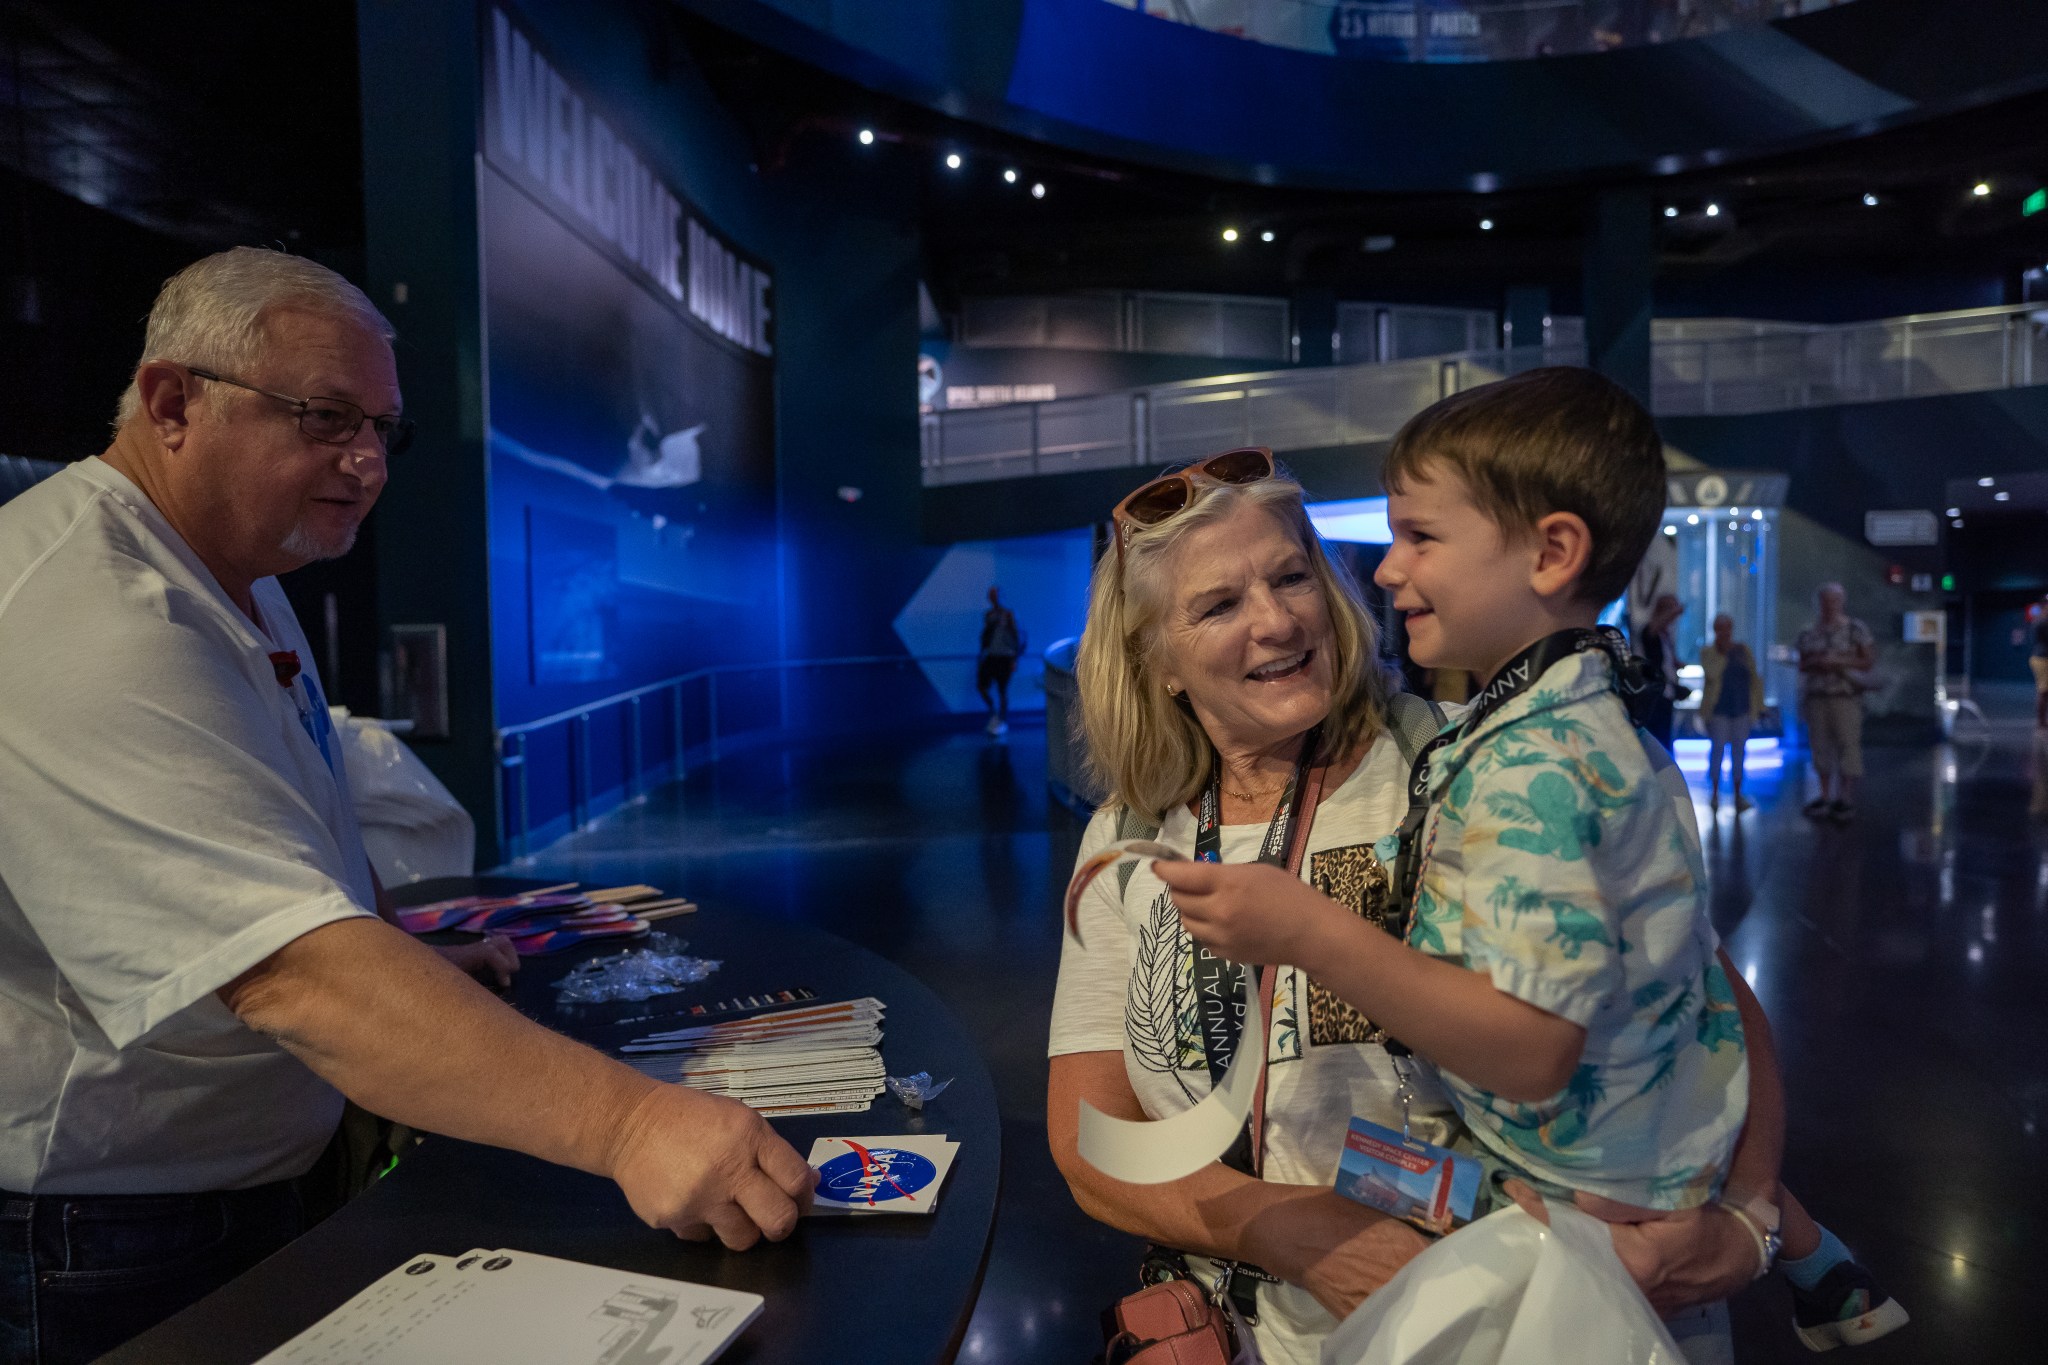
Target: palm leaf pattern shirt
{"type": "Point", "coordinates": [1561, 865]}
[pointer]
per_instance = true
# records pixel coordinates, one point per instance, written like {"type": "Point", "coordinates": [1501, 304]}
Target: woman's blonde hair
{"type": "Point", "coordinates": [1147, 747]}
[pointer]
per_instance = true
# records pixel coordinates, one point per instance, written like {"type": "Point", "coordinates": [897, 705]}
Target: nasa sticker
{"type": "Point", "coordinates": [880, 1175]}
{"type": "Point", "coordinates": [873, 1176]}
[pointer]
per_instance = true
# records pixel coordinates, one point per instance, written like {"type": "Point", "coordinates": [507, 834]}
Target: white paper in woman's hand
{"type": "Point", "coordinates": [1155, 1151]}
{"type": "Point", "coordinates": [1127, 850]}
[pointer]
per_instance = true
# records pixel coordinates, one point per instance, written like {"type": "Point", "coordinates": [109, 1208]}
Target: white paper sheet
{"type": "Point", "coordinates": [1152, 1152]}
{"type": "Point", "coordinates": [1124, 851]}
{"type": "Point", "coordinates": [518, 1308]}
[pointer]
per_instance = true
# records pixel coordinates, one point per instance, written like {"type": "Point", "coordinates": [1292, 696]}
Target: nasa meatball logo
{"type": "Point", "coordinates": [875, 1175]}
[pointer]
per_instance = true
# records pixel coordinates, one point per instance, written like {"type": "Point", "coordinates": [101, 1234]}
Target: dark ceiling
{"type": "Point", "coordinates": [235, 121]}
{"type": "Point", "coordinates": [1111, 224]}
{"type": "Point", "coordinates": [238, 121]}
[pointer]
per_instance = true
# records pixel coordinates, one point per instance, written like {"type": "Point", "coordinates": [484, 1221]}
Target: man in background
{"type": "Point", "coordinates": [1001, 643]}
{"type": "Point", "coordinates": [1836, 654]}
{"type": "Point", "coordinates": [2038, 661]}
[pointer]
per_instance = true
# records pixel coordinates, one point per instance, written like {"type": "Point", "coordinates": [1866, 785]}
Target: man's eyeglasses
{"type": "Point", "coordinates": [1170, 494]}
{"type": "Point", "coordinates": [331, 421]}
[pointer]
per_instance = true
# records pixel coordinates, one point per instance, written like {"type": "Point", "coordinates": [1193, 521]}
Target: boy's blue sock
{"type": "Point", "coordinates": [1806, 1272]}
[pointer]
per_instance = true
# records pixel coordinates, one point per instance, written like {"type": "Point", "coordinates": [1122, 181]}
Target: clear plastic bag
{"type": "Point", "coordinates": [1508, 1291]}
{"type": "Point", "coordinates": [412, 826]}
{"type": "Point", "coordinates": [660, 967]}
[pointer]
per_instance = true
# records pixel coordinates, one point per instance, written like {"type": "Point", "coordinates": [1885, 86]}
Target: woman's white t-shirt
{"type": "Point", "coordinates": [1128, 987]}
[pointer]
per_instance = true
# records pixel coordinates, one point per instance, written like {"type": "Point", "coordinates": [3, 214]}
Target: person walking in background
{"type": "Point", "coordinates": [1833, 654]}
{"type": "Point", "coordinates": [1001, 643]}
{"type": "Point", "coordinates": [1660, 650]}
{"type": "Point", "coordinates": [1731, 701]}
{"type": "Point", "coordinates": [2038, 661]}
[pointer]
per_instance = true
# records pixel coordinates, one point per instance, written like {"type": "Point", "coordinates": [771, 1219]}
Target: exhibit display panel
{"type": "Point", "coordinates": [1724, 529]}
{"type": "Point", "coordinates": [629, 393]}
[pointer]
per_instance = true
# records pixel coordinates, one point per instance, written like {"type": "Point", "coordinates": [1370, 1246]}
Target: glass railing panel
{"type": "Point", "coordinates": [1085, 433]}
{"type": "Point", "coordinates": [1189, 425]}
{"type": "Point", "coordinates": [1295, 411]}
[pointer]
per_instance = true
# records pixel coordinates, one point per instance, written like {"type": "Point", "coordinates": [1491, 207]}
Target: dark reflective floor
{"type": "Point", "coordinates": [1901, 960]}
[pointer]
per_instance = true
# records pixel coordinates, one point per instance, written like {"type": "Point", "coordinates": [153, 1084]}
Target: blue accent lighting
{"type": "Point", "coordinates": [1357, 521]}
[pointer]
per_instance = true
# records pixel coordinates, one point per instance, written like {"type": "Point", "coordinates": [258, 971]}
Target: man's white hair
{"type": "Point", "coordinates": [211, 313]}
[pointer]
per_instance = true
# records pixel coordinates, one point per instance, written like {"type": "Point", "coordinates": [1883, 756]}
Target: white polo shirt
{"type": "Point", "coordinates": [168, 819]}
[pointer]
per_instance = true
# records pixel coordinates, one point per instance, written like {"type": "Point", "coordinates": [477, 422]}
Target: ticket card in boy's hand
{"type": "Point", "coordinates": [1419, 1182]}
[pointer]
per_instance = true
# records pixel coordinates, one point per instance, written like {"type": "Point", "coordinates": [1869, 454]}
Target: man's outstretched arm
{"type": "Point", "coordinates": [401, 1032]}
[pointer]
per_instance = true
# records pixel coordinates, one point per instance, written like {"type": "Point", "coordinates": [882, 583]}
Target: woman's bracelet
{"type": "Point", "coordinates": [1756, 1234]}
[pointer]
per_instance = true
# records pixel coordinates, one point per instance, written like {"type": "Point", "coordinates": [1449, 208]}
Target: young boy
{"type": "Point", "coordinates": [1562, 973]}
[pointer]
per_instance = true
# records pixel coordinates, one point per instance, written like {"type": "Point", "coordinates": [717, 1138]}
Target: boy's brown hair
{"type": "Point", "coordinates": [1558, 439]}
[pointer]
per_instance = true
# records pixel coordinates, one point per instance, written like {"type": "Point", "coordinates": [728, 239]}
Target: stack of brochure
{"type": "Point", "coordinates": [517, 1308]}
{"type": "Point", "coordinates": [809, 1059]}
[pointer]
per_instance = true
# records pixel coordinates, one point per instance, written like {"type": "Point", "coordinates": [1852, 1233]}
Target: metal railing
{"type": "Point", "coordinates": [1762, 370]}
{"type": "Point", "coordinates": [661, 731]}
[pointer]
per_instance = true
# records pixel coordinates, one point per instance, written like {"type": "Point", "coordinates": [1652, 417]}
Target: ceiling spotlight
{"type": "Point", "coordinates": [1009, 177]}
{"type": "Point", "coordinates": [1671, 210]}
{"type": "Point", "coordinates": [1692, 519]}
{"type": "Point", "coordinates": [1671, 530]}
{"type": "Point", "coordinates": [867, 137]}
{"type": "Point", "coordinates": [1038, 189]}
{"type": "Point", "coordinates": [1266, 236]}
{"type": "Point", "coordinates": [1985, 483]}
{"type": "Point", "coordinates": [1486, 224]}
{"type": "Point", "coordinates": [952, 161]}
{"type": "Point", "coordinates": [1713, 210]}
{"type": "Point", "coordinates": [1869, 200]}
{"type": "Point", "coordinates": [1230, 234]}
{"type": "Point", "coordinates": [1756, 514]}
{"type": "Point", "coordinates": [1955, 511]}
{"type": "Point", "coordinates": [1981, 189]}
{"type": "Point", "coordinates": [1957, 522]}
{"type": "Point", "coordinates": [2001, 496]}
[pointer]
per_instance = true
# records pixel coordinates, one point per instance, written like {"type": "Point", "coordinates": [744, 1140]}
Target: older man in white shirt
{"type": "Point", "coordinates": [193, 972]}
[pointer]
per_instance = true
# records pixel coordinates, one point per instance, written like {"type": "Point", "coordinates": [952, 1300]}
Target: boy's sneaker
{"type": "Point", "coordinates": [1817, 806]}
{"type": "Point", "coordinates": [1841, 812]}
{"type": "Point", "coordinates": [1847, 1308]}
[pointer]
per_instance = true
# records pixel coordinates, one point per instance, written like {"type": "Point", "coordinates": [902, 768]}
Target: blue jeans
{"type": "Point", "coordinates": [80, 1275]}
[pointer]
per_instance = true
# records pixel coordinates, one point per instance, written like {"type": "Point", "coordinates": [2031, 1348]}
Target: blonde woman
{"type": "Point", "coordinates": [1730, 703]}
{"type": "Point", "coordinates": [1227, 665]}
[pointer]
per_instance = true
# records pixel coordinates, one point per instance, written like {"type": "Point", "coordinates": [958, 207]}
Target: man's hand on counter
{"type": "Point", "coordinates": [392, 1025]}
{"type": "Point", "coordinates": [491, 960]}
{"type": "Point", "coordinates": [701, 1165]}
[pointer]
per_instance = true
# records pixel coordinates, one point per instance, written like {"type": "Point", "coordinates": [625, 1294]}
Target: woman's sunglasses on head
{"type": "Point", "coordinates": [1169, 494]}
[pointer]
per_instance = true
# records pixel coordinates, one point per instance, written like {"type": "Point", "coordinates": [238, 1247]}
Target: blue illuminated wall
{"type": "Point", "coordinates": [631, 441]}
{"type": "Point", "coordinates": [1044, 582]}
{"type": "Point", "coordinates": [616, 480]}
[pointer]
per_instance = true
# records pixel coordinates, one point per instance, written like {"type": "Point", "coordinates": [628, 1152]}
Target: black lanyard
{"type": "Point", "coordinates": [1220, 994]}
{"type": "Point", "coordinates": [1516, 676]}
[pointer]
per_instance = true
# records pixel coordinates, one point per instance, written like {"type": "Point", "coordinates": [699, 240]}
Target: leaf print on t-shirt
{"type": "Point", "coordinates": [1161, 1015]}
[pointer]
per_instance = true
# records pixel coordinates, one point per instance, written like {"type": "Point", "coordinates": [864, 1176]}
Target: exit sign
{"type": "Point", "coordinates": [2034, 203]}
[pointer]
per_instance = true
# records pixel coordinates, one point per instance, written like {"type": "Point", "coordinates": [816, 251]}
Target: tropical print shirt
{"type": "Point", "coordinates": [1561, 863]}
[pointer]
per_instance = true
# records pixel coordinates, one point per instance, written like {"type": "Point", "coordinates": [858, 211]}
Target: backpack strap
{"type": "Point", "coordinates": [1414, 722]}
{"type": "Point", "coordinates": [1130, 825]}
